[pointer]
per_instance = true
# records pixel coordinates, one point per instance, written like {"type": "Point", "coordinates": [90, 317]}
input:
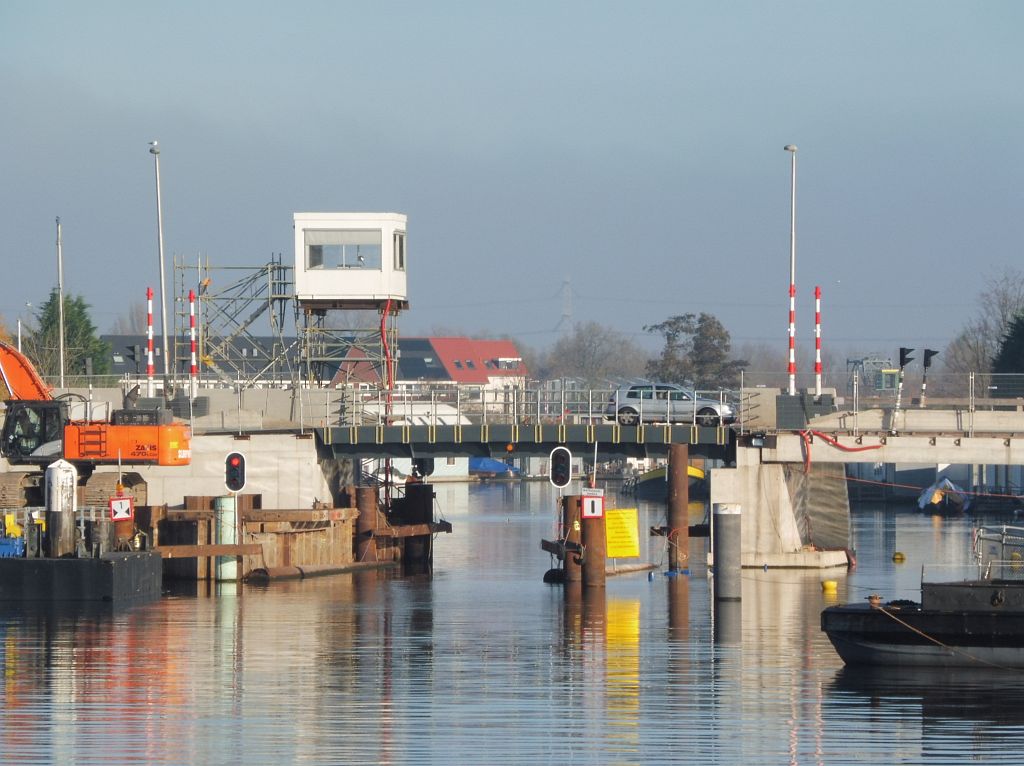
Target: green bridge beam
{"type": "Point", "coordinates": [484, 440]}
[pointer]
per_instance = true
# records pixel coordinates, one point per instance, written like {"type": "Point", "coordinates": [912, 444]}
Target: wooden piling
{"type": "Point", "coordinates": [678, 507]}
{"type": "Point", "coordinates": [595, 555]}
{"type": "Point", "coordinates": [366, 524]}
{"type": "Point", "coordinates": [679, 608]}
{"type": "Point", "coordinates": [571, 530]}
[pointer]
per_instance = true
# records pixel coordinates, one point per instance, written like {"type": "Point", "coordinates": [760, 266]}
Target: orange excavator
{"type": "Point", "coordinates": [38, 428]}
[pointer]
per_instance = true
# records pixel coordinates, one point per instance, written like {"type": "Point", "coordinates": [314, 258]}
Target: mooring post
{"type": "Point", "coordinates": [61, 480]}
{"type": "Point", "coordinates": [595, 550]}
{"type": "Point", "coordinates": [679, 608]}
{"type": "Point", "coordinates": [727, 551]}
{"type": "Point", "coordinates": [728, 622]}
{"type": "Point", "coordinates": [678, 507]}
{"type": "Point", "coordinates": [417, 552]}
{"type": "Point", "coordinates": [366, 523]}
{"type": "Point", "coordinates": [571, 529]}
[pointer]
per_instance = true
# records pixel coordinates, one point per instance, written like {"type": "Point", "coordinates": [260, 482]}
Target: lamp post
{"type": "Point", "coordinates": [60, 300]}
{"type": "Point", "coordinates": [792, 272]}
{"type": "Point", "coordinates": [154, 149]}
{"type": "Point", "coordinates": [20, 322]}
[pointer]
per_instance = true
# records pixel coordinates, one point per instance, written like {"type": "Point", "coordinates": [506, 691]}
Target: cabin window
{"type": "Point", "coordinates": [399, 245]}
{"type": "Point", "coordinates": [334, 249]}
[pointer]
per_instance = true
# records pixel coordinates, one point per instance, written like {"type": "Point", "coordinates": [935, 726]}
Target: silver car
{"type": "Point", "coordinates": [666, 403]}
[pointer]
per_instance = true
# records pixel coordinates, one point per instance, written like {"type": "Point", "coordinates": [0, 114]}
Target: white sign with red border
{"type": "Point", "coordinates": [122, 509]}
{"type": "Point", "coordinates": [593, 507]}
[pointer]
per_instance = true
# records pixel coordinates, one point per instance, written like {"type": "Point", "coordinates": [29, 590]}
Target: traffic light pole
{"type": "Point", "coordinates": [926, 362]}
{"type": "Point", "coordinates": [905, 359]}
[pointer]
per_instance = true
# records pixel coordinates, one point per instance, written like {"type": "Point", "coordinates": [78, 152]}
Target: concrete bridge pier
{"type": "Point", "coordinates": [792, 517]}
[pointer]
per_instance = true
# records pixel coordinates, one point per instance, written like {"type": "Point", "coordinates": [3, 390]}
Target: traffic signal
{"type": "Point", "coordinates": [234, 471]}
{"type": "Point", "coordinates": [928, 354]}
{"type": "Point", "coordinates": [560, 467]}
{"type": "Point", "coordinates": [905, 357]}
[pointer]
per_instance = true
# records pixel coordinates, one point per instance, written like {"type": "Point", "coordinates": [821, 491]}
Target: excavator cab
{"type": "Point", "coordinates": [33, 431]}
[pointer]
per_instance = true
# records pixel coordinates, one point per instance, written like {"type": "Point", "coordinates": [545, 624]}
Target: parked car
{"type": "Point", "coordinates": [666, 403]}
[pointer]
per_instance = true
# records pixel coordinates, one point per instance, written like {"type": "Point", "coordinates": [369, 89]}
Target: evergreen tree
{"type": "Point", "coordinates": [1010, 356]}
{"type": "Point", "coordinates": [696, 353]}
{"type": "Point", "coordinates": [81, 343]}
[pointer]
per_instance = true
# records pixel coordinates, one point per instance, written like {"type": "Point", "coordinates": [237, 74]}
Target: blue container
{"type": "Point", "coordinates": [12, 547]}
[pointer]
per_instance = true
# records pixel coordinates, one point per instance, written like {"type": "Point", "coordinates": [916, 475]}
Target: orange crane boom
{"type": "Point", "coordinates": [20, 377]}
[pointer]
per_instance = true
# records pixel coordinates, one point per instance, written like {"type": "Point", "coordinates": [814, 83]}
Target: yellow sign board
{"type": "Point", "coordinates": [622, 533]}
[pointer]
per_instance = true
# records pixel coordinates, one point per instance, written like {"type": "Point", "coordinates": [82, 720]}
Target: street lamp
{"type": "Point", "coordinates": [154, 149]}
{"type": "Point", "coordinates": [29, 307]}
{"type": "Point", "coordinates": [60, 300]}
{"type": "Point", "coordinates": [792, 273]}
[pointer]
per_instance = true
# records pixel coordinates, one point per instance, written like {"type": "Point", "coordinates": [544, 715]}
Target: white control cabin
{"type": "Point", "coordinates": [350, 260]}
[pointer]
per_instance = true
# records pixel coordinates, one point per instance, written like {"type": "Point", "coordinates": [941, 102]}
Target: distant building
{"type": "Point", "coordinates": [490, 364]}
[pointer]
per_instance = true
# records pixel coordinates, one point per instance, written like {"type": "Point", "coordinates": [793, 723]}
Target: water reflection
{"type": "Point", "coordinates": [484, 663]}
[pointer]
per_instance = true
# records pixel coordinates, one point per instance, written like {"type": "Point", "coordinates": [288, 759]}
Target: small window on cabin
{"type": "Point", "coordinates": [255, 352]}
{"type": "Point", "coordinates": [470, 365]}
{"type": "Point", "coordinates": [451, 460]}
{"type": "Point", "coordinates": [458, 364]}
{"type": "Point", "coordinates": [399, 244]}
{"type": "Point", "coordinates": [351, 249]}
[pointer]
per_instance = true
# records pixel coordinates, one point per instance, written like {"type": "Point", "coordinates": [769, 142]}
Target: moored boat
{"type": "Point", "coordinates": [944, 498]}
{"type": "Point", "coordinates": [490, 468]}
{"type": "Point", "coordinates": [653, 484]}
{"type": "Point", "coordinates": [975, 622]}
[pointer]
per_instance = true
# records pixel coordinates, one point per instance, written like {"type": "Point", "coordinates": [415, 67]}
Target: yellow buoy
{"type": "Point", "coordinates": [829, 586]}
{"type": "Point", "coordinates": [898, 557]}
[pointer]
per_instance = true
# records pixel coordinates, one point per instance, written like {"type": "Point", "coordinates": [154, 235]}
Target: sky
{"type": "Point", "coordinates": [559, 162]}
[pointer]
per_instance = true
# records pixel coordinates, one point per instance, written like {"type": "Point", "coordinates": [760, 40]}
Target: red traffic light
{"type": "Point", "coordinates": [234, 472]}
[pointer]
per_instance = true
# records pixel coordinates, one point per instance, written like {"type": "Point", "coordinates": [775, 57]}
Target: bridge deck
{"type": "Point", "coordinates": [482, 440]}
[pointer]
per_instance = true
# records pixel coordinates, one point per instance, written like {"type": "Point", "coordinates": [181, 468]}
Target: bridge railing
{"type": "Point", "coordinates": [449, 404]}
{"type": "Point", "coordinates": [562, 402]}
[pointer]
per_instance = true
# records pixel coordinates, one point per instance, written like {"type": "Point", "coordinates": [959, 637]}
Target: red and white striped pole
{"type": "Point", "coordinates": [193, 369]}
{"type": "Point", "coordinates": [817, 341]}
{"type": "Point", "coordinates": [149, 340]}
{"type": "Point", "coordinates": [792, 339]}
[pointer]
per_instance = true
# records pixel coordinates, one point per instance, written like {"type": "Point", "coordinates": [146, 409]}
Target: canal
{"type": "Point", "coordinates": [484, 663]}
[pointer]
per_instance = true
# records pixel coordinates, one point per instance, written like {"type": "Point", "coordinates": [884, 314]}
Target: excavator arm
{"type": "Point", "coordinates": [20, 376]}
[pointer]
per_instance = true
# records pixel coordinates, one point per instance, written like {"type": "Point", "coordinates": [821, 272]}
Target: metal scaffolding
{"type": "Point", "coordinates": [241, 319]}
{"type": "Point", "coordinates": [245, 337]}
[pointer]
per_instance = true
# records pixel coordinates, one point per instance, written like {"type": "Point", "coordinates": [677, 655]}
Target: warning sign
{"type": "Point", "coordinates": [622, 533]}
{"type": "Point", "coordinates": [593, 507]}
{"type": "Point", "coordinates": [121, 509]}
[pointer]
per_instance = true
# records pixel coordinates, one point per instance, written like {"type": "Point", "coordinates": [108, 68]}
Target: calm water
{"type": "Point", "coordinates": [486, 664]}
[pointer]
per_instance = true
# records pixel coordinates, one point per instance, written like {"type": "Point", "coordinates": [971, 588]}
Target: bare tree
{"type": "Point", "coordinates": [132, 321]}
{"type": "Point", "coordinates": [593, 354]}
{"type": "Point", "coordinates": [975, 348]}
